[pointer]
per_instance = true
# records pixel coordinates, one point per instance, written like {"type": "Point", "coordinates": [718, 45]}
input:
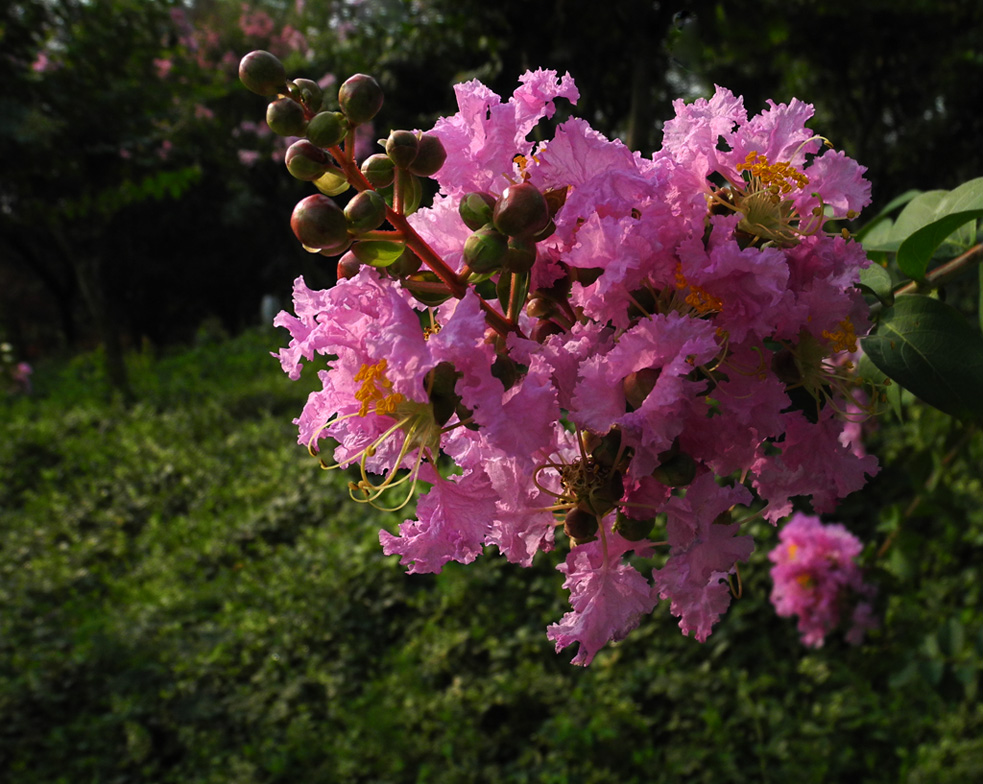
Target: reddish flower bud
{"type": "Point", "coordinates": [521, 211]}
{"type": "Point", "coordinates": [262, 73]}
{"type": "Point", "coordinates": [379, 170]}
{"type": "Point", "coordinates": [631, 529]}
{"type": "Point", "coordinates": [286, 117]}
{"type": "Point", "coordinates": [429, 157]}
{"type": "Point", "coordinates": [521, 255]}
{"type": "Point", "coordinates": [580, 526]}
{"type": "Point", "coordinates": [348, 266]}
{"type": "Point", "coordinates": [476, 209]}
{"type": "Point", "coordinates": [401, 147]}
{"type": "Point", "coordinates": [327, 129]}
{"type": "Point", "coordinates": [360, 98]}
{"type": "Point", "coordinates": [365, 211]}
{"type": "Point", "coordinates": [305, 161]}
{"type": "Point", "coordinates": [319, 223]}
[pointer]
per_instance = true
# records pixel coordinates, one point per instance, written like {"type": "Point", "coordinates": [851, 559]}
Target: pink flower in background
{"type": "Point", "coordinates": [817, 578]}
{"type": "Point", "coordinates": [163, 66]}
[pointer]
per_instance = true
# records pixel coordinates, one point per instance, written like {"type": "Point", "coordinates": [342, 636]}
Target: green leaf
{"type": "Point", "coordinates": [378, 253]}
{"type": "Point", "coordinates": [882, 221]}
{"type": "Point", "coordinates": [877, 281]}
{"type": "Point", "coordinates": [916, 252]}
{"type": "Point", "coordinates": [930, 349]}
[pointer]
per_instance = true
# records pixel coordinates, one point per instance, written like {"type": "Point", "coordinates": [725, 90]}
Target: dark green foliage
{"type": "Point", "coordinates": [187, 598]}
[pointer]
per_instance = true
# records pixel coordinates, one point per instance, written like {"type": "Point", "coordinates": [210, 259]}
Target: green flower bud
{"type": "Point", "coordinates": [677, 470]}
{"type": "Point", "coordinates": [485, 250]}
{"type": "Point", "coordinates": [605, 451]}
{"type": "Point", "coordinates": [445, 400]}
{"type": "Point", "coordinates": [429, 157]}
{"type": "Point", "coordinates": [360, 98]}
{"type": "Point", "coordinates": [540, 308]}
{"type": "Point", "coordinates": [401, 147]}
{"type": "Point", "coordinates": [407, 264]}
{"type": "Point", "coordinates": [411, 192]}
{"type": "Point", "coordinates": [326, 129]}
{"type": "Point", "coordinates": [427, 288]}
{"type": "Point", "coordinates": [475, 210]}
{"type": "Point", "coordinates": [365, 211]}
{"type": "Point", "coordinates": [580, 526]}
{"type": "Point", "coordinates": [631, 529]}
{"type": "Point", "coordinates": [332, 182]}
{"type": "Point", "coordinates": [521, 255]}
{"type": "Point", "coordinates": [305, 161]}
{"type": "Point", "coordinates": [521, 211]}
{"type": "Point", "coordinates": [310, 93]}
{"type": "Point", "coordinates": [379, 170]}
{"type": "Point", "coordinates": [319, 223]}
{"type": "Point", "coordinates": [262, 73]}
{"type": "Point", "coordinates": [286, 117]}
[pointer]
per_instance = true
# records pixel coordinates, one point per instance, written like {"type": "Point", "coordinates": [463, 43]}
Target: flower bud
{"type": "Point", "coordinates": [427, 288]}
{"type": "Point", "coordinates": [332, 182]}
{"type": "Point", "coordinates": [440, 381]}
{"type": "Point", "coordinates": [543, 328]}
{"type": "Point", "coordinates": [365, 211]}
{"type": "Point", "coordinates": [677, 470]}
{"type": "Point", "coordinates": [360, 98]}
{"type": "Point", "coordinates": [310, 93]}
{"type": "Point", "coordinates": [521, 255]}
{"type": "Point", "coordinates": [485, 250]}
{"type": "Point", "coordinates": [607, 448]}
{"type": "Point", "coordinates": [305, 161]}
{"type": "Point", "coordinates": [580, 526]}
{"type": "Point", "coordinates": [286, 117]}
{"type": "Point", "coordinates": [631, 529]}
{"type": "Point", "coordinates": [262, 73]}
{"type": "Point", "coordinates": [410, 192]}
{"type": "Point", "coordinates": [379, 170]}
{"type": "Point", "coordinates": [319, 223]}
{"type": "Point", "coordinates": [430, 156]}
{"type": "Point", "coordinates": [348, 266]}
{"type": "Point", "coordinates": [326, 129]}
{"type": "Point", "coordinates": [521, 211]}
{"type": "Point", "coordinates": [476, 209]}
{"type": "Point", "coordinates": [638, 385]}
{"type": "Point", "coordinates": [401, 147]}
{"type": "Point", "coordinates": [407, 264]}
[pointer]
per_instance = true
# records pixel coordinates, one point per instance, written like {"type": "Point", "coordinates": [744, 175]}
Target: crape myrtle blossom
{"type": "Point", "coordinates": [816, 577]}
{"type": "Point", "coordinates": [675, 352]}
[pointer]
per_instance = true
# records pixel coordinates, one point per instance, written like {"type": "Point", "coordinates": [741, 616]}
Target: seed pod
{"type": "Point", "coordinates": [262, 73]}
{"type": "Point", "coordinates": [360, 98]}
{"type": "Point", "coordinates": [580, 526]}
{"type": "Point", "coordinates": [310, 93]}
{"type": "Point", "coordinates": [305, 161]}
{"type": "Point", "coordinates": [327, 129]}
{"type": "Point", "coordinates": [379, 170]}
{"type": "Point", "coordinates": [319, 223]}
{"type": "Point", "coordinates": [521, 211]}
{"type": "Point", "coordinates": [402, 147]}
{"type": "Point", "coordinates": [476, 210]}
{"type": "Point", "coordinates": [485, 250]}
{"type": "Point", "coordinates": [365, 211]}
{"type": "Point", "coordinates": [430, 156]}
{"type": "Point", "coordinates": [286, 117]}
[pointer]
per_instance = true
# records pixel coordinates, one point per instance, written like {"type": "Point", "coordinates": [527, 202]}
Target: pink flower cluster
{"type": "Point", "coordinates": [676, 356]}
{"type": "Point", "coordinates": [816, 577]}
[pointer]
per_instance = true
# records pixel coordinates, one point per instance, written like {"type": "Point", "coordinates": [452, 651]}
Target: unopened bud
{"type": "Point", "coordinates": [286, 117]}
{"type": "Point", "coordinates": [485, 250]}
{"type": "Point", "coordinates": [327, 129]}
{"type": "Point", "coordinates": [543, 328]}
{"type": "Point", "coordinates": [379, 170]}
{"type": "Point", "coordinates": [262, 73]}
{"type": "Point", "coordinates": [319, 223]}
{"type": "Point", "coordinates": [678, 470]}
{"type": "Point", "coordinates": [401, 147]}
{"type": "Point", "coordinates": [580, 526]}
{"type": "Point", "coordinates": [638, 385]}
{"type": "Point", "coordinates": [310, 93]}
{"type": "Point", "coordinates": [427, 288]}
{"type": "Point", "coordinates": [365, 211]}
{"type": "Point", "coordinates": [332, 182]}
{"type": "Point", "coordinates": [476, 210]}
{"type": "Point", "coordinates": [407, 264]}
{"type": "Point", "coordinates": [305, 161]}
{"type": "Point", "coordinates": [348, 266]}
{"type": "Point", "coordinates": [631, 529]}
{"type": "Point", "coordinates": [521, 255]}
{"type": "Point", "coordinates": [360, 98]}
{"type": "Point", "coordinates": [521, 210]}
{"type": "Point", "coordinates": [410, 192]}
{"type": "Point", "coordinates": [430, 156]}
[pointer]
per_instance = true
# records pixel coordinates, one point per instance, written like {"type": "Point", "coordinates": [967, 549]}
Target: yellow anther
{"type": "Point", "coordinates": [374, 393]}
{"type": "Point", "coordinates": [844, 338]}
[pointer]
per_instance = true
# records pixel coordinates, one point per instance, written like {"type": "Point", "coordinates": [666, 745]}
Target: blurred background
{"type": "Point", "coordinates": [184, 598]}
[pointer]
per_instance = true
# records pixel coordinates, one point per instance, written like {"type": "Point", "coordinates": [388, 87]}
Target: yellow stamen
{"type": "Point", "coordinates": [842, 339]}
{"type": "Point", "coordinates": [374, 393]}
{"type": "Point", "coordinates": [781, 176]}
